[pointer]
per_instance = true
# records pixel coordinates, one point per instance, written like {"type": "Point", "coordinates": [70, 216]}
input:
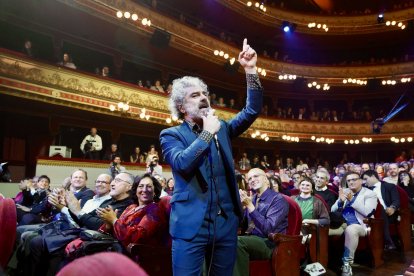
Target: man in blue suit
{"type": "Point", "coordinates": [206, 205]}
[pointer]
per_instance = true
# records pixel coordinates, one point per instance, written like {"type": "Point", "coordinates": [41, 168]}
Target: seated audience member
{"type": "Point", "coordinates": [102, 189]}
{"type": "Point", "coordinates": [67, 61]}
{"type": "Point", "coordinates": [24, 185]}
{"type": "Point", "coordinates": [389, 199]}
{"type": "Point", "coordinates": [140, 84]}
{"type": "Point", "coordinates": [266, 213]}
{"type": "Point", "coordinates": [105, 71]}
{"type": "Point", "coordinates": [313, 209]}
{"type": "Point", "coordinates": [221, 102]}
{"type": "Point", "coordinates": [301, 166]}
{"type": "Point", "coordinates": [137, 156]}
{"type": "Point", "coordinates": [153, 167]}
{"type": "Point", "coordinates": [170, 187]}
{"type": "Point", "coordinates": [297, 178]}
{"type": "Point", "coordinates": [406, 182]}
{"type": "Point", "coordinates": [5, 175]}
{"type": "Point", "coordinates": [163, 183]}
{"type": "Point", "coordinates": [276, 185]}
{"type": "Point", "coordinates": [255, 163]}
{"type": "Point", "coordinates": [244, 163]}
{"type": "Point", "coordinates": [109, 155]}
{"type": "Point", "coordinates": [28, 49]}
{"type": "Point", "coordinates": [232, 104]}
{"type": "Point", "coordinates": [115, 167]}
{"type": "Point", "coordinates": [365, 167]}
{"type": "Point", "coordinates": [392, 174]}
{"type": "Point", "coordinates": [356, 203]}
{"type": "Point", "coordinates": [380, 171]}
{"type": "Point", "coordinates": [142, 222]}
{"type": "Point", "coordinates": [103, 264]}
{"type": "Point", "coordinates": [38, 207]}
{"type": "Point", "coordinates": [151, 153]}
{"type": "Point", "coordinates": [91, 145]}
{"type": "Point", "coordinates": [157, 86]}
{"type": "Point", "coordinates": [40, 253]}
{"type": "Point", "coordinates": [264, 164]}
{"type": "Point", "coordinates": [321, 185]}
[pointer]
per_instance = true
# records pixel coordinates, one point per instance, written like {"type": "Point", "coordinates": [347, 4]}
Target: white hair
{"type": "Point", "coordinates": [178, 93]}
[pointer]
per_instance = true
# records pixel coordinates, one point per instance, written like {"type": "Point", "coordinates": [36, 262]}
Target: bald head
{"type": "Point", "coordinates": [258, 180]}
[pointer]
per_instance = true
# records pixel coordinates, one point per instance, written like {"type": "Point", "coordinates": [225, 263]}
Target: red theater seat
{"type": "Point", "coordinates": [8, 222]}
{"type": "Point", "coordinates": [286, 255]}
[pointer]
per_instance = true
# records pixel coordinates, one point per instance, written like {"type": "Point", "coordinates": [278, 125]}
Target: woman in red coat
{"type": "Point", "coordinates": [143, 222]}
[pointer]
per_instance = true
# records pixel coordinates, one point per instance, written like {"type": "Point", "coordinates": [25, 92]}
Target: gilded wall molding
{"type": "Point", "coordinates": [338, 24]}
{"type": "Point", "coordinates": [190, 40]}
{"type": "Point", "coordinates": [55, 85]}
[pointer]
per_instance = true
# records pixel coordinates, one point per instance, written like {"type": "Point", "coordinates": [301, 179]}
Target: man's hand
{"type": "Point", "coordinates": [390, 211]}
{"type": "Point", "coordinates": [73, 203]}
{"type": "Point", "coordinates": [211, 122]}
{"type": "Point", "coordinates": [248, 58]}
{"type": "Point", "coordinates": [107, 214]}
{"type": "Point", "coordinates": [55, 201]}
{"type": "Point", "coordinates": [246, 201]}
{"type": "Point", "coordinates": [23, 208]}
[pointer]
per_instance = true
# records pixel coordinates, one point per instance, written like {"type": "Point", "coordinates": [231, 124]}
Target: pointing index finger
{"type": "Point", "coordinates": [245, 46]}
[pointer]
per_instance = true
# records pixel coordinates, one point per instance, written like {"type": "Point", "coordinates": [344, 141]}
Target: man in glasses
{"type": "Point", "coordinates": [40, 246]}
{"type": "Point", "coordinates": [356, 203]}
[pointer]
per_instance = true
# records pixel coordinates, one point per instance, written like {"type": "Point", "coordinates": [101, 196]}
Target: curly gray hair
{"type": "Point", "coordinates": [178, 93]}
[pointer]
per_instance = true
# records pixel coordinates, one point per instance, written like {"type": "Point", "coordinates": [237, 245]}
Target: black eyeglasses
{"type": "Point", "coordinates": [352, 180]}
{"type": "Point", "coordinates": [101, 182]}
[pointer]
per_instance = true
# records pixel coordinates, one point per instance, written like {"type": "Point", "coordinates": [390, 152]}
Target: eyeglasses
{"type": "Point", "coordinates": [101, 182]}
{"type": "Point", "coordinates": [117, 180]}
{"type": "Point", "coordinates": [352, 180]}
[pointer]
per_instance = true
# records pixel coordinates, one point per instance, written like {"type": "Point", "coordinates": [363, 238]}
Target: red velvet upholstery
{"type": "Point", "coordinates": [294, 192]}
{"type": "Point", "coordinates": [286, 255]}
{"type": "Point", "coordinates": [294, 217]}
{"type": "Point", "coordinates": [8, 222]}
{"type": "Point", "coordinates": [164, 205]}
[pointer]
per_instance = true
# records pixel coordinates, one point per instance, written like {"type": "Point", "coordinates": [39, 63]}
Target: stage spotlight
{"type": "Point", "coordinates": [288, 27]}
{"type": "Point", "coordinates": [380, 18]}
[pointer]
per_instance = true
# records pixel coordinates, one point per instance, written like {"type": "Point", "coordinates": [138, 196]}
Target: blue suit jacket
{"type": "Point", "coordinates": [188, 156]}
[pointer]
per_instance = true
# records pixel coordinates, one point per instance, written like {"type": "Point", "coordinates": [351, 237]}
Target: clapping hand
{"type": "Point", "coordinates": [246, 201]}
{"type": "Point", "coordinates": [107, 214]}
{"type": "Point", "coordinates": [248, 58]}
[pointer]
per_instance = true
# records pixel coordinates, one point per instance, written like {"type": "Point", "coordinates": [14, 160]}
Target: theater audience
{"type": "Point", "coordinates": [321, 185]}
{"type": "Point", "coordinates": [355, 203]}
{"type": "Point", "coordinates": [169, 189]}
{"type": "Point", "coordinates": [105, 71]}
{"type": "Point", "coordinates": [113, 151]}
{"type": "Point", "coordinates": [115, 167]}
{"type": "Point", "coordinates": [389, 198]}
{"type": "Point", "coordinates": [67, 62]}
{"type": "Point", "coordinates": [39, 246]}
{"type": "Point", "coordinates": [137, 156]}
{"type": "Point", "coordinates": [24, 185]}
{"type": "Point", "coordinates": [406, 182]}
{"type": "Point", "coordinates": [28, 50]}
{"type": "Point", "coordinates": [37, 203]}
{"type": "Point", "coordinates": [151, 153]}
{"type": "Point", "coordinates": [392, 173]}
{"type": "Point", "coordinates": [312, 208]}
{"type": "Point", "coordinates": [244, 163]}
{"type": "Point", "coordinates": [157, 86]}
{"type": "Point", "coordinates": [153, 167]}
{"type": "Point", "coordinates": [142, 222]}
{"type": "Point", "coordinates": [91, 145]}
{"type": "Point", "coordinates": [266, 212]}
